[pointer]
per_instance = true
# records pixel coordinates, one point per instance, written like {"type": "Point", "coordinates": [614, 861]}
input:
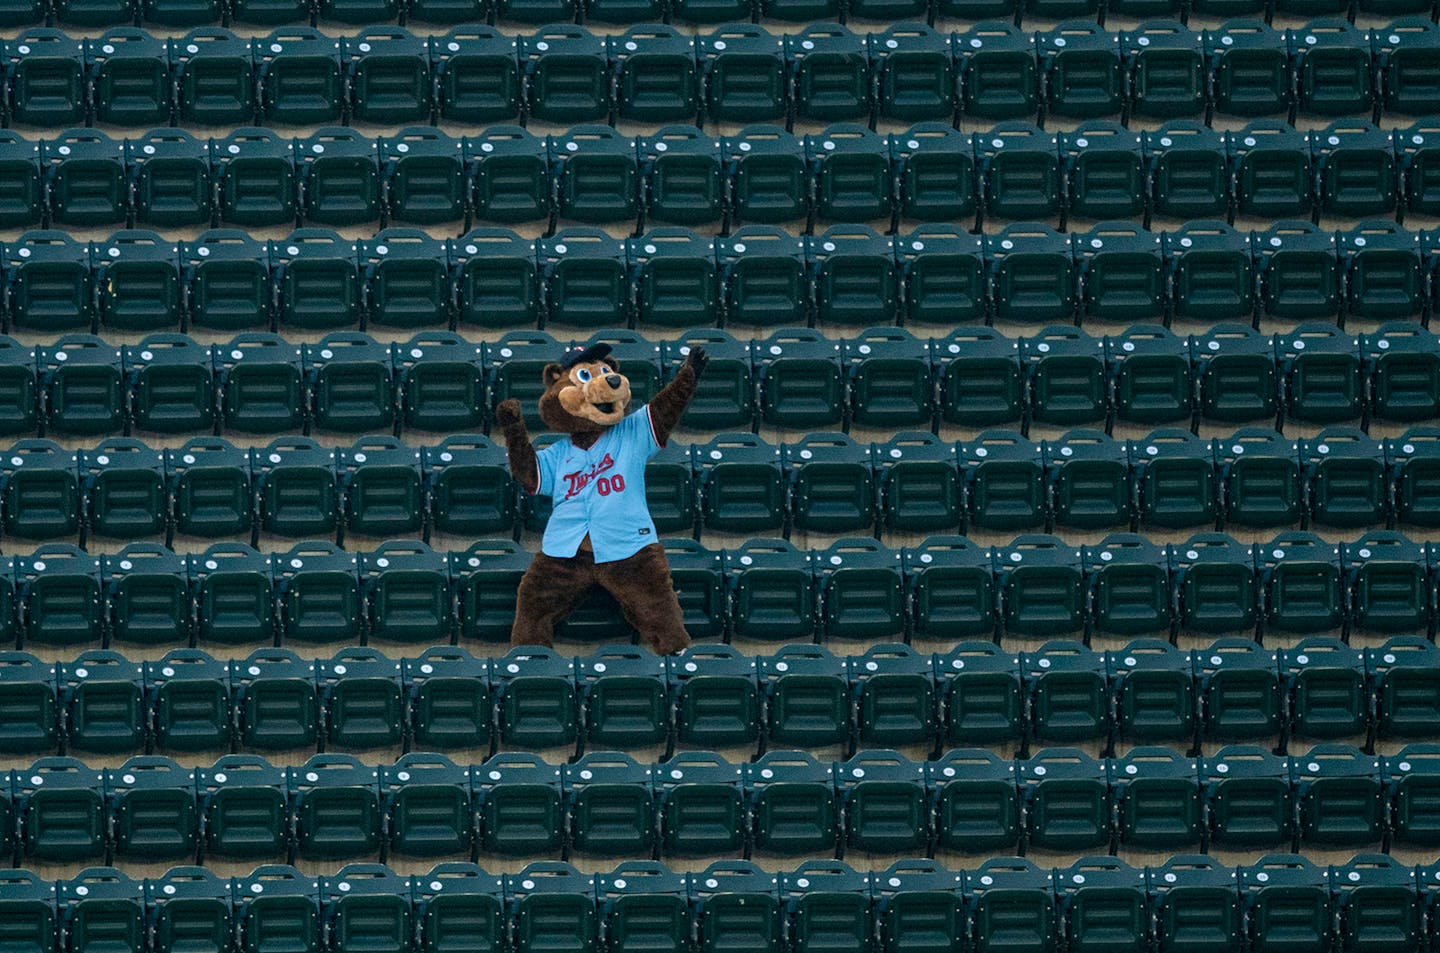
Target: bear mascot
{"type": "Point", "coordinates": [600, 531]}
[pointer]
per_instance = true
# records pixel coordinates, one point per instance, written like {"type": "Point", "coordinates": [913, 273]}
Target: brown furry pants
{"type": "Point", "coordinates": [552, 588]}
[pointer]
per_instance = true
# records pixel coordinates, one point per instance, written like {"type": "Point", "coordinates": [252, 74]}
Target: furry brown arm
{"type": "Point", "coordinates": [668, 406]}
{"type": "Point", "coordinates": [523, 465]}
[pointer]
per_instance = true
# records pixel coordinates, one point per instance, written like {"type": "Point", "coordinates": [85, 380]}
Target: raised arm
{"type": "Point", "coordinates": [523, 465]}
{"type": "Point", "coordinates": [668, 406]}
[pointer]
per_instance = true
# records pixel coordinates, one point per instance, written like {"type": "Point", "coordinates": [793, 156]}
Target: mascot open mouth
{"type": "Point", "coordinates": [608, 407]}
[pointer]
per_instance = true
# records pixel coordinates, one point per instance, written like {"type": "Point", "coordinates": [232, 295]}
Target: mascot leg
{"type": "Point", "coordinates": [549, 591]}
{"type": "Point", "coordinates": [646, 593]}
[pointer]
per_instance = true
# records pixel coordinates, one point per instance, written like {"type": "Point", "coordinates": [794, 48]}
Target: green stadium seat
{"type": "Point", "coordinates": [129, 75]}
{"type": "Point", "coordinates": [826, 903]}
{"type": "Point", "coordinates": [1154, 379]}
{"type": "Point", "coordinates": [1157, 799]}
{"type": "Point", "coordinates": [27, 700]}
{"type": "Point", "coordinates": [481, 587]}
{"type": "Point", "coordinates": [1249, 65]}
{"type": "Point", "coordinates": [476, 72]}
{"type": "Point", "coordinates": [495, 281]}
{"type": "Point", "coordinates": [979, 376]}
{"type": "Point", "coordinates": [1376, 902]}
{"type": "Point", "coordinates": [259, 384]}
{"type": "Point", "coordinates": [566, 73]}
{"type": "Point", "coordinates": [1067, 800]}
{"type": "Point", "coordinates": [234, 593]}
{"type": "Point", "coordinates": [360, 700]}
{"type": "Point", "coordinates": [24, 13]}
{"type": "Point", "coordinates": [537, 699]}
{"type": "Point", "coordinates": [535, 11]}
{"type": "Point", "coordinates": [883, 798]}
{"type": "Point", "coordinates": [680, 183]}
{"type": "Point", "coordinates": [767, 176]}
{"type": "Point", "coordinates": [364, 908]}
{"type": "Point", "coordinates": [735, 907]}
{"type": "Point", "coordinates": [806, 697]}
{"type": "Point", "coordinates": [317, 282]}
{"type": "Point", "coordinates": [716, 698]}
{"type": "Point", "coordinates": [1013, 906]}
{"type": "Point", "coordinates": [169, 384]}
{"type": "Point", "coordinates": [980, 691]}
{"type": "Point", "coordinates": [215, 76]}
{"type": "Point", "coordinates": [1088, 480]}
{"type": "Point", "coordinates": [316, 593]}
{"type": "Point", "coordinates": [1238, 690]}
{"type": "Point", "coordinates": [41, 491]}
{"type": "Point", "coordinates": [439, 383]}
{"type": "Point", "coordinates": [147, 596]}
{"type": "Point", "coordinates": [829, 71]}
{"type": "Point", "coordinates": [1101, 905]}
{"type": "Point", "coordinates": [1345, 479]}
{"type": "Point", "coordinates": [1411, 461]}
{"type": "Point", "coordinates": [1121, 274]}
{"type": "Point", "coordinates": [772, 591]}
{"type": "Point", "coordinates": [380, 488]}
{"type": "Point", "coordinates": [1066, 376]}
{"type": "Point", "coordinates": [101, 908]}
{"type": "Point", "coordinates": [1080, 70]}
{"type": "Point", "coordinates": [47, 275]}
{"type": "Point", "coordinates": [1401, 680]}
{"type": "Point", "coordinates": [1198, 913]}
{"type": "Point", "coordinates": [152, 802]}
{"type": "Point", "coordinates": [296, 487]}
{"type": "Point", "coordinates": [58, 597]}
{"type": "Point", "coordinates": [1400, 361]}
{"type": "Point", "coordinates": [46, 77]}
{"type": "Point", "coordinates": [1019, 173]}
{"type": "Point", "coordinates": [518, 803]}
{"type": "Point", "coordinates": [1235, 369]}
{"type": "Point", "coordinates": [673, 275]}
{"type": "Point", "coordinates": [996, 65]}
{"type": "Point", "coordinates": [551, 906]}
{"type": "Point", "coordinates": [917, 903]}
{"type": "Point", "coordinates": [81, 386]}
{"type": "Point", "coordinates": [853, 176]}
{"type": "Point", "coordinates": [405, 279]}
{"type": "Point", "coordinates": [1291, 908]}
{"type": "Point", "coordinates": [854, 275]}
{"type": "Point", "coordinates": [1216, 585]}
{"type": "Point", "coordinates": [582, 279]}
{"type": "Point", "coordinates": [1325, 683]}
{"type": "Point", "coordinates": [18, 388]}
{"type": "Point", "coordinates": [93, 13]}
{"type": "Point", "coordinates": [1338, 796]}
{"type": "Point", "coordinates": [977, 806]}
{"type": "Point", "coordinates": [299, 77]}
{"type": "Point", "coordinates": [187, 696]}
{"type": "Point", "coordinates": [596, 174]}
{"type": "Point", "coordinates": [610, 805]}
{"type": "Point", "coordinates": [656, 76]}
{"type": "Point", "coordinates": [1249, 801]}
{"type": "Point", "coordinates": [1416, 167]}
{"type": "Point", "coordinates": [282, 916]}
{"type": "Point", "coordinates": [934, 167]}
{"type": "Point", "coordinates": [422, 176]}
{"type": "Point", "coordinates": [1320, 373]}
{"type": "Point", "coordinates": [448, 699]}
{"type": "Point", "coordinates": [700, 800]}
{"type": "Point", "coordinates": [913, 65]}
{"type": "Point", "coordinates": [1272, 171]}
{"type": "Point", "coordinates": [918, 483]}
{"type": "Point", "coordinates": [1186, 171]}
{"type": "Point", "coordinates": [1004, 481]}
{"type": "Point", "coordinates": [1383, 273]}
{"type": "Point", "coordinates": [950, 588]}
{"type": "Point", "coordinates": [1400, 53]}
{"type": "Point", "coordinates": [1410, 789]}
{"type": "Point", "coordinates": [791, 803]}
{"type": "Point", "coordinates": [1032, 274]}
{"type": "Point", "coordinates": [191, 907]}
{"type": "Point", "coordinates": [831, 485]}
{"type": "Point", "coordinates": [468, 488]}
{"type": "Point", "coordinates": [1300, 587]}
{"type": "Point", "coordinates": [387, 69]}
{"type": "Point", "coordinates": [60, 811]}
{"type": "Point", "coordinates": [1066, 687]}
{"type": "Point", "coordinates": [894, 694]}
{"type": "Point", "coordinates": [1258, 477]}
{"type": "Point", "coordinates": [860, 585]}
{"type": "Point", "coordinates": [1208, 264]}
{"type": "Point", "coordinates": [22, 198]}
{"type": "Point", "coordinates": [1355, 169]}
{"type": "Point", "coordinates": [466, 916]}
{"type": "Point", "coordinates": [256, 176]}
{"type": "Point", "coordinates": [622, 698]}
{"type": "Point", "coordinates": [1332, 67]}
{"type": "Point", "coordinates": [1104, 171]}
{"type": "Point", "coordinates": [276, 700]}
{"type": "Point", "coordinates": [226, 279]}
{"type": "Point", "coordinates": [743, 69]}
{"type": "Point", "coordinates": [427, 804]}
{"type": "Point", "coordinates": [742, 487]}
{"type": "Point", "coordinates": [1129, 584]}
{"type": "Point", "coordinates": [339, 177]}
{"type": "Point", "coordinates": [1164, 67]}
{"type": "Point", "coordinates": [643, 905]}
{"type": "Point", "coordinates": [100, 701]}
{"type": "Point", "coordinates": [1387, 590]}
{"type": "Point", "coordinates": [122, 490]}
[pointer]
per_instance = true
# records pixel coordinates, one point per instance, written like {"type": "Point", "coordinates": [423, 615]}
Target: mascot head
{"type": "Point", "coordinates": [585, 392]}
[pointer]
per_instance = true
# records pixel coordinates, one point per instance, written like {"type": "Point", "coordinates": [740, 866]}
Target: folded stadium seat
{"type": "Point", "coordinates": [643, 905]}
{"type": "Point", "coordinates": [977, 369]}
{"type": "Point", "coordinates": [256, 178]}
{"type": "Point", "coordinates": [1066, 687]}
{"type": "Point", "coordinates": [1235, 370]}
{"type": "Point", "coordinates": [913, 64]}
{"type": "Point", "coordinates": [405, 279]}
{"type": "Point", "coordinates": [1004, 481]}
{"type": "Point", "coordinates": [1080, 69]}
{"type": "Point", "coordinates": [860, 585]}
{"type": "Point", "coordinates": [493, 271]}
{"type": "Point", "coordinates": [27, 697]}
{"type": "Point", "coordinates": [296, 487]}
{"type": "Point", "coordinates": [137, 279]}
{"type": "Point", "coordinates": [1103, 171]}
{"type": "Point", "coordinates": [763, 278]}
{"type": "Point", "coordinates": [1325, 683]}
{"type": "Point", "coordinates": [422, 177]}
{"type": "Point", "coordinates": [448, 699]}
{"type": "Point", "coordinates": [476, 70]}
{"type": "Point", "coordinates": [214, 76]}
{"type": "Point", "coordinates": [24, 13]}
{"type": "Point", "coordinates": [883, 800]}
{"type": "Point", "coordinates": [1412, 462]}
{"type": "Point", "coordinates": [128, 71]}
{"type": "Point", "coordinates": [976, 801]}
{"type": "Point", "coordinates": [1239, 690]}
{"type": "Point", "coordinates": [316, 280]}
{"type": "Point", "coordinates": [567, 77]}
{"type": "Point", "coordinates": [22, 198]}
{"type": "Point", "coordinates": [381, 488]}
{"type": "Point", "coordinates": [1152, 375]}
{"type": "Point", "coordinates": [468, 487]}
{"type": "Point", "coordinates": [673, 273]}
{"type": "Point", "coordinates": [680, 177]}
{"type": "Point", "coordinates": [518, 805]}
{"type": "Point", "coordinates": [1186, 172]}
{"type": "Point", "coordinates": [942, 269]}
{"type": "Point", "coordinates": [854, 274]}
{"type": "Point", "coordinates": [1128, 579]}
{"type": "Point", "coordinates": [1101, 905]}
{"type": "Point", "coordinates": [427, 805]}
{"type": "Point", "coordinates": [715, 697]}
{"type": "Point", "coordinates": [233, 593]}
{"type": "Point", "coordinates": [950, 588]}
{"type": "Point", "coordinates": [1400, 53]}
{"type": "Point", "coordinates": [1121, 274]}
{"type": "Point", "coordinates": [387, 69]}
{"type": "Point", "coordinates": [1013, 906]}
{"type": "Point", "coordinates": [339, 177]}
{"type": "Point", "coordinates": [147, 596]}
{"type": "Point", "coordinates": [1376, 900]}
{"type": "Point", "coordinates": [1019, 172]}
{"type": "Point", "coordinates": [1088, 480]}
{"type": "Point", "coordinates": [18, 390]}
{"type": "Point", "coordinates": [1345, 479]}
{"type": "Point", "coordinates": [1216, 585]}
{"type": "Point", "coordinates": [1250, 64]}
{"type": "Point", "coordinates": [152, 803]}
{"type": "Point", "coordinates": [316, 593]}
{"type": "Point", "coordinates": [792, 805]}
{"type": "Point", "coordinates": [854, 180]}
{"type": "Point", "coordinates": [46, 77]}
{"type": "Point", "coordinates": [981, 693]}
{"type": "Point", "coordinates": [299, 76]}
{"type": "Point", "coordinates": [94, 13]}
{"type": "Point", "coordinates": [466, 915]}
{"type": "Point", "coordinates": [1300, 588]}
{"type": "Point", "coordinates": [1338, 796]}
{"type": "Point", "coordinates": [275, 700]}
{"type": "Point", "coordinates": [187, 699]}
{"type": "Point", "coordinates": [102, 908]}
{"type": "Point", "coordinates": [122, 490]}
{"type": "Point", "coordinates": [1066, 376]}
{"type": "Point", "coordinates": [806, 698]}
{"type": "Point", "coordinates": [1211, 269]}
{"type": "Point", "coordinates": [767, 178]}
{"type": "Point", "coordinates": [1412, 778]}
{"type": "Point", "coordinates": [1384, 275]}
{"type": "Point", "coordinates": [80, 386]}
{"type": "Point", "coordinates": [1287, 903]}
{"type": "Point", "coordinates": [596, 174]}
{"type": "Point", "coordinates": [934, 167]}
{"type": "Point", "coordinates": [1355, 169]}
{"type": "Point", "coordinates": [101, 704]}
{"type": "Point", "coordinates": [773, 591]}
{"type": "Point", "coordinates": [622, 698]}
{"type": "Point", "coordinates": [742, 68]}
{"type": "Point", "coordinates": [283, 913]}
{"type": "Point", "coordinates": [551, 905]}
{"type": "Point", "coordinates": [995, 62]}
{"type": "Point", "coordinates": [1332, 64]}
{"type": "Point", "coordinates": [258, 378]}
{"type": "Point", "coordinates": [1164, 64]}
{"type": "Point", "coordinates": [1032, 274]}
{"type": "Point", "coordinates": [336, 805]}
{"type": "Point", "coordinates": [49, 283]}
{"type": "Point", "coordinates": [656, 76]}
{"type": "Point", "coordinates": [190, 906]}
{"type": "Point", "coordinates": [535, 11]}
{"type": "Point", "coordinates": [1320, 373]}
{"type": "Point", "coordinates": [39, 491]}
{"type": "Point", "coordinates": [482, 586]}
{"type": "Point", "coordinates": [1386, 584]}
{"type": "Point", "coordinates": [1258, 479]}
{"type": "Point", "coordinates": [1272, 171]}
{"type": "Point", "coordinates": [405, 587]}
{"type": "Point", "coordinates": [439, 383]}
{"type": "Point", "coordinates": [537, 698]}
{"type": "Point", "coordinates": [1067, 801]}
{"type": "Point", "coordinates": [700, 800]}
{"type": "Point", "coordinates": [365, 908]}
{"type": "Point", "coordinates": [63, 820]}
{"type": "Point", "coordinates": [1249, 802]}
{"type": "Point", "coordinates": [917, 903]}
{"type": "Point", "coordinates": [1042, 590]}
{"type": "Point", "coordinates": [1157, 800]}
{"type": "Point", "coordinates": [918, 485]}
{"type": "Point", "coordinates": [583, 279]}
{"type": "Point", "coordinates": [829, 70]}
{"type": "Point", "coordinates": [1202, 911]}
{"type": "Point", "coordinates": [895, 696]}
{"type": "Point", "coordinates": [610, 806]}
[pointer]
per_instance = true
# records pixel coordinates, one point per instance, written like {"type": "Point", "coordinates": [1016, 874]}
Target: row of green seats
{"type": "Point", "coordinates": [784, 803]}
{"type": "Point", "coordinates": [740, 72]}
{"type": "Point", "coordinates": [1188, 904]}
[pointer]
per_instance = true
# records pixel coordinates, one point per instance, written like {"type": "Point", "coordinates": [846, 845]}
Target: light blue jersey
{"type": "Point", "coordinates": [600, 491]}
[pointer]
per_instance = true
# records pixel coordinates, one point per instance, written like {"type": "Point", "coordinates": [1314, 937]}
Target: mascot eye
{"type": "Point", "coordinates": [583, 376]}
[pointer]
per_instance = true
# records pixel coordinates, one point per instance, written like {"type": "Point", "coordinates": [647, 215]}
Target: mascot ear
{"type": "Point", "coordinates": [551, 374]}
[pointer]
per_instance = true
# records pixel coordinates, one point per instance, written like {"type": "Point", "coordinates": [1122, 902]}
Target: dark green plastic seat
{"type": "Point", "coordinates": [1004, 481]}
{"type": "Point", "coordinates": [1250, 65]}
{"type": "Point", "coordinates": [102, 908]}
{"type": "Point", "coordinates": [191, 908]}
{"type": "Point", "coordinates": [170, 173]}
{"type": "Point", "coordinates": [233, 593]}
{"type": "Point", "coordinates": [191, 704]}
{"type": "Point", "coordinates": [1239, 691]}
{"type": "Point", "coordinates": [46, 78]}
{"type": "Point", "coordinates": [427, 803]}
{"type": "Point", "coordinates": [1259, 478]}
{"type": "Point", "coordinates": [566, 74]}
{"type": "Point", "coordinates": [741, 484]}
{"type": "Point", "coordinates": [27, 700]}
{"type": "Point", "coordinates": [681, 179]}
{"type": "Point", "coordinates": [481, 586]}
{"type": "Point", "coordinates": [1080, 70]}
{"type": "Point", "coordinates": [855, 276]}
{"type": "Point", "coordinates": [1400, 681]}
{"type": "Point", "coordinates": [744, 71]}
{"type": "Point", "coordinates": [1299, 575]}
{"type": "Point", "coordinates": [700, 799]}
{"type": "Point", "coordinates": [1121, 274]}
{"type": "Point", "coordinates": [622, 698]}
{"type": "Point", "coordinates": [463, 912]}
{"type": "Point", "coordinates": [282, 917]}
{"type": "Point", "coordinates": [978, 373]}
{"type": "Point", "coordinates": [1186, 167]}
{"type": "Point", "coordinates": [917, 905]}
{"type": "Point", "coordinates": [1326, 690]}
{"type": "Point", "coordinates": [1164, 67]}
{"type": "Point", "coordinates": [1235, 370]}
{"type": "Point", "coordinates": [1201, 911]}
{"type": "Point", "coordinates": [1103, 171]}
{"type": "Point", "coordinates": [448, 698]}
{"type": "Point", "coordinates": [643, 904]}
{"type": "Point", "coordinates": [977, 806]}
{"type": "Point", "coordinates": [1386, 584]}
{"type": "Point", "coordinates": [1355, 165]}
{"type": "Point", "coordinates": [22, 203]}
{"type": "Point", "coordinates": [299, 76]}
{"type": "Point", "coordinates": [1065, 685]}
{"type": "Point", "coordinates": [350, 384]}
{"type": "Point", "coordinates": [493, 271]}
{"type": "Point", "coordinates": [829, 71]}
{"type": "Point", "coordinates": [1290, 906]}
{"type": "Point", "coordinates": [596, 174]}
{"type": "Point", "coordinates": [361, 700]}
{"type": "Point", "coordinates": [316, 277]}
{"type": "Point", "coordinates": [387, 69]}
{"type": "Point", "coordinates": [339, 177]}
{"type": "Point", "coordinates": [1210, 269]}
{"type": "Point", "coordinates": [226, 279]}
{"type": "Point", "coordinates": [854, 180]}
{"type": "Point", "coordinates": [405, 279]}
{"type": "Point", "coordinates": [1249, 800]}
{"type": "Point", "coordinates": [59, 808]}
{"type": "Point", "coordinates": [950, 587]}
{"type": "Point", "coordinates": [316, 593]}
{"type": "Point", "coordinates": [806, 697]}
{"type": "Point", "coordinates": [1272, 170]}
{"type": "Point", "coordinates": [1320, 373]}
{"type": "Point", "coordinates": [830, 483]}
{"type": "Point", "coordinates": [258, 378]}
{"type": "Point", "coordinates": [1013, 906]}
{"type": "Point", "coordinates": [41, 491]}
{"type": "Point", "coordinates": [256, 176]}
{"type": "Point", "coordinates": [1101, 903]}
{"type": "Point", "coordinates": [1338, 796]}
{"type": "Point", "coordinates": [1346, 483]}
{"type": "Point", "coordinates": [1376, 902]}
{"type": "Point", "coordinates": [1032, 274]}
{"type": "Point", "coordinates": [918, 483]}
{"type": "Point", "coordinates": [152, 801]}
{"type": "Point", "coordinates": [101, 704]}
{"type": "Point", "coordinates": [170, 385]}
{"type": "Point", "coordinates": [122, 490]}
{"type": "Point", "coordinates": [476, 72]}
{"type": "Point", "coordinates": [439, 383]}
{"type": "Point", "coordinates": [656, 75]}
{"type": "Point", "coordinates": [997, 67]}
{"type": "Point", "coordinates": [1019, 172]}
{"type": "Point", "coordinates": [1410, 790]}
{"type": "Point", "coordinates": [51, 288]}
{"type": "Point", "coordinates": [767, 175]}
{"type": "Point", "coordinates": [1384, 277]}
{"type": "Point", "coordinates": [215, 74]}
{"type": "Point", "coordinates": [467, 487]}
{"type": "Point", "coordinates": [1333, 67]}
{"type": "Point", "coordinates": [791, 803]}
{"type": "Point", "coordinates": [519, 805]}
{"type": "Point", "coordinates": [1129, 582]}
{"type": "Point", "coordinates": [1216, 584]}
{"type": "Point", "coordinates": [380, 487]}
{"type": "Point", "coordinates": [1415, 164]}
{"type": "Point", "coordinates": [83, 391]}
{"type": "Point", "coordinates": [716, 698]}
{"type": "Point", "coordinates": [1065, 370]}
{"type": "Point", "coordinates": [1088, 480]}
{"type": "Point", "coordinates": [772, 591]}
{"type": "Point", "coordinates": [1154, 379]}
{"type": "Point", "coordinates": [583, 281]}
{"type": "Point", "coordinates": [1157, 800]}
{"type": "Point", "coordinates": [934, 165]}
{"type": "Point", "coordinates": [980, 690]}
{"type": "Point", "coordinates": [610, 805]}
{"type": "Point", "coordinates": [275, 697]}
{"type": "Point", "coordinates": [58, 597]}
{"type": "Point", "coordinates": [552, 906]}
{"type": "Point", "coordinates": [422, 175]}
{"type": "Point", "coordinates": [147, 596]}
{"type": "Point", "coordinates": [884, 799]}
{"type": "Point", "coordinates": [129, 73]}
{"type": "Point", "coordinates": [371, 912]}
{"type": "Point", "coordinates": [914, 68]}
{"type": "Point", "coordinates": [1411, 461]}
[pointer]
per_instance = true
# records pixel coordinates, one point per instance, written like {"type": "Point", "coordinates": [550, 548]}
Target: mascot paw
{"type": "Point", "coordinates": [507, 414]}
{"type": "Point", "coordinates": [697, 359]}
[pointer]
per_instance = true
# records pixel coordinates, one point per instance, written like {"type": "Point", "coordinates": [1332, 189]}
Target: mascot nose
{"type": "Point", "coordinates": [613, 380]}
